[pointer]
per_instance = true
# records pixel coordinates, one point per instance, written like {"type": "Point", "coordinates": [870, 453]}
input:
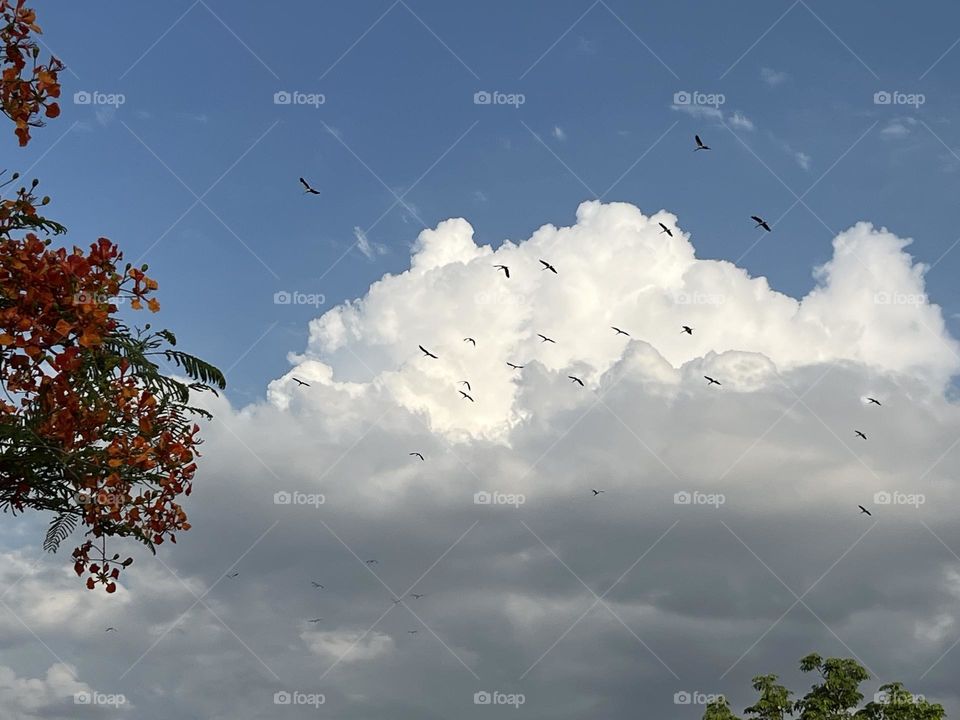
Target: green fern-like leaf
{"type": "Point", "coordinates": [59, 530]}
{"type": "Point", "coordinates": [196, 368]}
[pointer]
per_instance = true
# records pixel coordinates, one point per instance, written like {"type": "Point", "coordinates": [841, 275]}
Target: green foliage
{"type": "Point", "coordinates": [836, 697]}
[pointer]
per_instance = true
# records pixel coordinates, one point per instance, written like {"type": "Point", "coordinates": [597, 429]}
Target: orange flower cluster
{"type": "Point", "coordinates": [118, 454]}
{"type": "Point", "coordinates": [26, 90]}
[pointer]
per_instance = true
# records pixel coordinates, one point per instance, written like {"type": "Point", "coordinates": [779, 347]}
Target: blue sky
{"type": "Point", "coordinates": [820, 115]}
{"type": "Point", "coordinates": [398, 79]}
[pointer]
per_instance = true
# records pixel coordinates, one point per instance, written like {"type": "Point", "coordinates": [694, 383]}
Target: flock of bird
{"type": "Point", "coordinates": [466, 395]}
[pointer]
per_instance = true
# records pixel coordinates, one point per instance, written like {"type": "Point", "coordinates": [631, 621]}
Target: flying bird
{"type": "Point", "coordinates": [464, 382]}
{"type": "Point", "coordinates": [864, 511]}
{"type": "Point", "coordinates": [760, 222]}
{"type": "Point", "coordinates": [415, 596]}
{"type": "Point", "coordinates": [301, 382]}
{"type": "Point", "coordinates": [700, 145]}
{"type": "Point", "coordinates": [417, 454]}
{"type": "Point", "coordinates": [515, 367]}
{"type": "Point", "coordinates": [860, 434]}
{"type": "Point", "coordinates": [427, 352]}
{"type": "Point", "coordinates": [619, 331]}
{"type": "Point", "coordinates": [687, 329]}
{"type": "Point", "coordinates": [467, 396]}
{"type": "Point", "coordinates": [665, 229]}
{"type": "Point", "coordinates": [412, 632]}
{"type": "Point", "coordinates": [372, 562]}
{"type": "Point", "coordinates": [309, 189]}
{"type": "Point", "coordinates": [315, 620]}
{"type": "Point", "coordinates": [544, 338]}
{"type": "Point", "coordinates": [548, 266]}
{"type": "Point", "coordinates": [596, 492]}
{"type": "Point", "coordinates": [506, 270]}
{"type": "Point", "coordinates": [233, 574]}
{"type": "Point", "coordinates": [317, 585]}
{"type": "Point", "coordinates": [110, 629]}
{"type": "Point", "coordinates": [874, 401]}
{"type": "Point", "coordinates": [470, 340]}
{"type": "Point", "coordinates": [711, 381]}
{"type": "Point", "coordinates": [396, 601]}
{"type": "Point", "coordinates": [575, 379]}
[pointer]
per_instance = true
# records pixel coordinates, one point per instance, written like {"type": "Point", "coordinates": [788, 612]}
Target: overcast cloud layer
{"type": "Point", "coordinates": [604, 606]}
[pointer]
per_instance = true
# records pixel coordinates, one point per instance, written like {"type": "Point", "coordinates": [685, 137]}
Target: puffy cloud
{"type": "Point", "coordinates": [722, 506]}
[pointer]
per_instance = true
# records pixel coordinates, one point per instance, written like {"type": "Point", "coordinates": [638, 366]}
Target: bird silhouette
{"type": "Point", "coordinates": [575, 379]}
{"type": "Point", "coordinates": [864, 511]}
{"type": "Point", "coordinates": [317, 585]}
{"type": "Point", "coordinates": [760, 222]}
{"type": "Point", "coordinates": [315, 620]}
{"type": "Point", "coordinates": [544, 338]}
{"type": "Point", "coordinates": [301, 382]}
{"type": "Point", "coordinates": [415, 596]}
{"type": "Point", "coordinates": [711, 381]}
{"type": "Point", "coordinates": [548, 266]}
{"type": "Point", "coordinates": [233, 574]}
{"type": "Point", "coordinates": [309, 189]}
{"type": "Point", "coordinates": [687, 329]}
{"type": "Point", "coordinates": [464, 382]}
{"type": "Point", "coordinates": [466, 396]}
{"type": "Point", "coordinates": [412, 632]}
{"type": "Point", "coordinates": [470, 340]}
{"type": "Point", "coordinates": [110, 629]}
{"type": "Point", "coordinates": [665, 229]}
{"type": "Point", "coordinates": [417, 454]}
{"type": "Point", "coordinates": [874, 401]}
{"type": "Point", "coordinates": [860, 434]}
{"type": "Point", "coordinates": [700, 145]}
{"type": "Point", "coordinates": [506, 270]}
{"type": "Point", "coordinates": [596, 492]}
{"type": "Point", "coordinates": [427, 352]}
{"type": "Point", "coordinates": [372, 562]}
{"type": "Point", "coordinates": [515, 367]}
{"type": "Point", "coordinates": [619, 331]}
